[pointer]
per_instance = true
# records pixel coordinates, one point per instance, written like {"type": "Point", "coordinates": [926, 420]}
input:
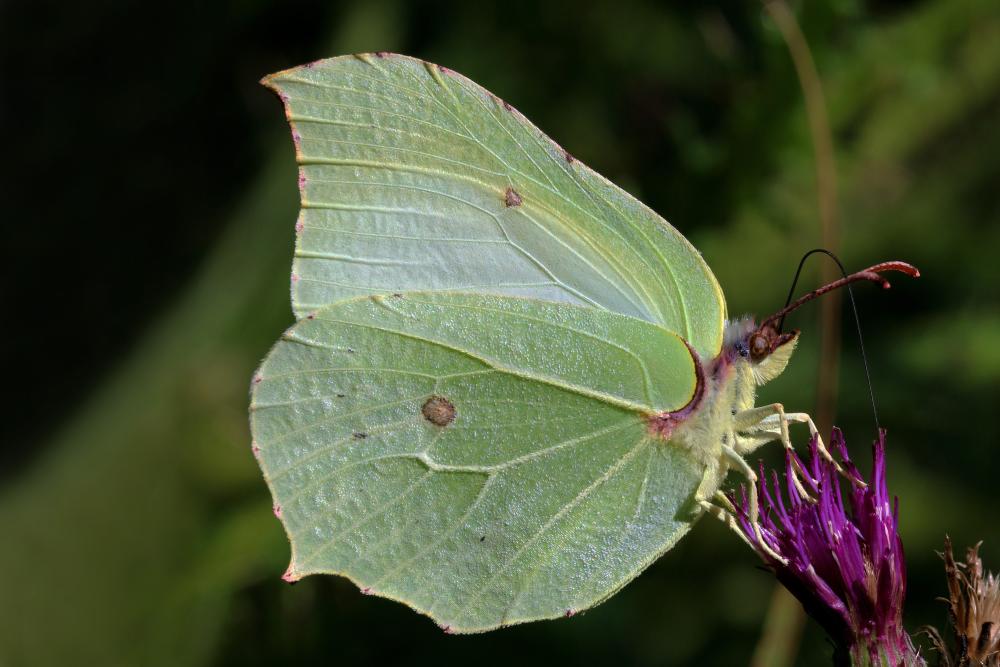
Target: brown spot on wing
{"type": "Point", "coordinates": [438, 410]}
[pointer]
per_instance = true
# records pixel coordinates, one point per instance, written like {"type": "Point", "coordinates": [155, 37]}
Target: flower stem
{"type": "Point", "coordinates": [784, 612]}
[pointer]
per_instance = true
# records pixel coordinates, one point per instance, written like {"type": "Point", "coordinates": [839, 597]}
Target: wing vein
{"type": "Point", "coordinates": [544, 528]}
{"type": "Point", "coordinates": [572, 388]}
{"type": "Point", "coordinates": [326, 544]}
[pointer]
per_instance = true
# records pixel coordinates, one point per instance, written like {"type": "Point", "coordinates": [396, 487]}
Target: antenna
{"type": "Point", "coordinates": [871, 274]}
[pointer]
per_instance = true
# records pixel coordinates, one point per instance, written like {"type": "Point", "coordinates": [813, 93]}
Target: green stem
{"type": "Point", "coordinates": [779, 642]}
{"type": "Point", "coordinates": [861, 657]}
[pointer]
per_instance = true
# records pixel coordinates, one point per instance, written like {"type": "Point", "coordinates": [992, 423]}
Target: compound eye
{"type": "Point", "coordinates": [742, 349]}
{"type": "Point", "coordinates": [759, 346]}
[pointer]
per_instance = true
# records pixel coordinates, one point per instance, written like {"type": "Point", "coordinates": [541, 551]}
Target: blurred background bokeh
{"type": "Point", "coordinates": [148, 206]}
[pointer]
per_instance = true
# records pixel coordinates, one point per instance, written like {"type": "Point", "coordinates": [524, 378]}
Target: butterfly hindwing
{"type": "Point", "coordinates": [483, 483]}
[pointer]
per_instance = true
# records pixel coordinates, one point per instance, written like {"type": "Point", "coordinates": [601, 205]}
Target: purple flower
{"type": "Point", "coordinates": [843, 563]}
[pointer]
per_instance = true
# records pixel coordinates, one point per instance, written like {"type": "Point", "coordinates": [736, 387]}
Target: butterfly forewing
{"type": "Point", "coordinates": [415, 178]}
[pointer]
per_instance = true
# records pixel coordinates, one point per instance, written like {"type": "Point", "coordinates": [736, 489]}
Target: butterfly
{"type": "Point", "coordinates": [511, 386]}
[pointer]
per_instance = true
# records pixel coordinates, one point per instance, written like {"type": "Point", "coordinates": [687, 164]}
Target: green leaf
{"type": "Point", "coordinates": [484, 459]}
{"type": "Point", "coordinates": [415, 178]}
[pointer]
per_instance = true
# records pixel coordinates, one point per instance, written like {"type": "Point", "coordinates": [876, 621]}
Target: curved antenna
{"type": "Point", "coordinates": [868, 274]}
{"type": "Point", "coordinates": [871, 274]}
{"type": "Point", "coordinates": [798, 272]}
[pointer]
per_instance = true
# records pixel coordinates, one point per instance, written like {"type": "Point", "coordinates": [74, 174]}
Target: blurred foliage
{"type": "Point", "coordinates": [142, 533]}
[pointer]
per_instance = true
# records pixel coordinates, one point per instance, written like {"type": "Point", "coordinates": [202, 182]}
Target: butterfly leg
{"type": "Point", "coordinates": [708, 491]}
{"type": "Point", "coordinates": [804, 418]}
{"type": "Point", "coordinates": [758, 426]}
{"type": "Point", "coordinates": [774, 423]}
{"type": "Point", "coordinates": [725, 512]}
{"type": "Point", "coordinates": [754, 515]}
{"type": "Point", "coordinates": [723, 509]}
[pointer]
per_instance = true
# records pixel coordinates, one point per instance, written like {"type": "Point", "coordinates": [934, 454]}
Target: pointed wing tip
{"type": "Point", "coordinates": [272, 81]}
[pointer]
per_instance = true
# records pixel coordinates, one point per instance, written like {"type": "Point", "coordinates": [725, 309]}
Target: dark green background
{"type": "Point", "coordinates": [148, 207]}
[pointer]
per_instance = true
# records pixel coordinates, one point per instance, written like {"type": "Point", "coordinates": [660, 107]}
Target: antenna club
{"type": "Point", "coordinates": [871, 274]}
{"type": "Point", "coordinates": [895, 265]}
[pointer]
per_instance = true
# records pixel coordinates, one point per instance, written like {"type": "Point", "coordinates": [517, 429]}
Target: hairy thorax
{"type": "Point", "coordinates": [729, 390]}
{"type": "Point", "coordinates": [726, 389]}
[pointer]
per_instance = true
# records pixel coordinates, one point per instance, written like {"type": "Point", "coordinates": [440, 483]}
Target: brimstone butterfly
{"type": "Point", "coordinates": [511, 386]}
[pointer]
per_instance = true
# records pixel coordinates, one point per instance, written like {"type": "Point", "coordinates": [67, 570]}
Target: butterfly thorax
{"type": "Point", "coordinates": [729, 384]}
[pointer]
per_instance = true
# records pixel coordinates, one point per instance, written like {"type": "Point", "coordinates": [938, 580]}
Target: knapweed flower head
{"type": "Point", "coordinates": [841, 554]}
{"type": "Point", "coordinates": [974, 611]}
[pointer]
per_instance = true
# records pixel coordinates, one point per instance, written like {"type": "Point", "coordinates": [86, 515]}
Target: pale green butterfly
{"type": "Point", "coordinates": [511, 386]}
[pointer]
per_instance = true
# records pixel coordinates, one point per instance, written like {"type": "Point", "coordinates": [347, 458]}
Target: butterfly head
{"type": "Point", "coordinates": [763, 347]}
